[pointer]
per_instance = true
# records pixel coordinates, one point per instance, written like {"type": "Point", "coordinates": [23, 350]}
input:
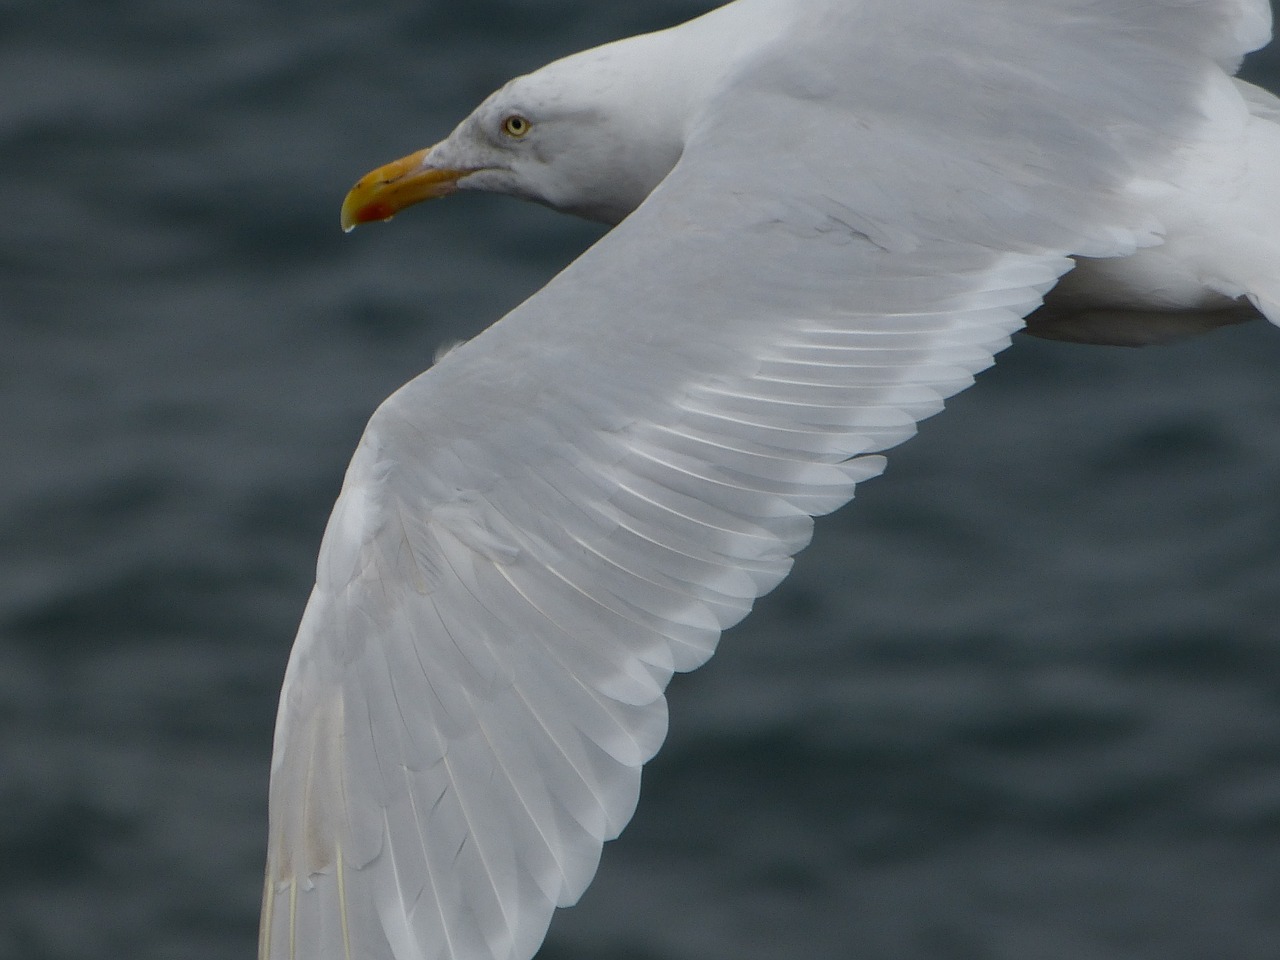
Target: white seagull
{"type": "Point", "coordinates": [830, 215]}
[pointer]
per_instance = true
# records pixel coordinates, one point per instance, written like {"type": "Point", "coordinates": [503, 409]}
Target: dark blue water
{"type": "Point", "coordinates": [1021, 702]}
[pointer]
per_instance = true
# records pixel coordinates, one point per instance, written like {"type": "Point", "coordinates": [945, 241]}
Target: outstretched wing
{"type": "Point", "coordinates": [535, 534]}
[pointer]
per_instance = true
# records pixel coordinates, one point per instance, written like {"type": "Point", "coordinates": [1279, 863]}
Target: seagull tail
{"type": "Point", "coordinates": [1256, 269]}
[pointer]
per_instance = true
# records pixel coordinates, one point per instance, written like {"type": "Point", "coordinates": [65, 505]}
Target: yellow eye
{"type": "Point", "coordinates": [516, 126]}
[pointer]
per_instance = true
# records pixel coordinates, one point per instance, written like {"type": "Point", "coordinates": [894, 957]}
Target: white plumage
{"type": "Point", "coordinates": [833, 214]}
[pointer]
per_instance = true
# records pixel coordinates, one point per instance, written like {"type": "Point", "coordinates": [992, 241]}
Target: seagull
{"type": "Point", "coordinates": [829, 215]}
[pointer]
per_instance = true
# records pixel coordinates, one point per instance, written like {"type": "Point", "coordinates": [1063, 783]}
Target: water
{"type": "Point", "coordinates": [1021, 701]}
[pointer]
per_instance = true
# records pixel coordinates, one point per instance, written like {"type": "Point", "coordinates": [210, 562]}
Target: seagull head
{"type": "Point", "coordinates": [590, 135]}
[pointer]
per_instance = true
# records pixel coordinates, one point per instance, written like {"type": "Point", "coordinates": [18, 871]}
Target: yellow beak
{"type": "Point", "coordinates": [382, 193]}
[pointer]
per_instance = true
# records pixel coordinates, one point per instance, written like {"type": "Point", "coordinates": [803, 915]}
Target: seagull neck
{"type": "Point", "coordinates": [659, 85]}
{"type": "Point", "coordinates": [672, 74]}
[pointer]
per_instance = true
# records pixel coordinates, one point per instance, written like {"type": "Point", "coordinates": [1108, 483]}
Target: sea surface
{"type": "Point", "coordinates": [1020, 702]}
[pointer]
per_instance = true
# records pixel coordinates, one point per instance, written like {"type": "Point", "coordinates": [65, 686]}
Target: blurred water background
{"type": "Point", "coordinates": [1021, 702]}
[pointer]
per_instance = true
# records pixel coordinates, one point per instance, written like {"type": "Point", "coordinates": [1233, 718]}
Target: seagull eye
{"type": "Point", "coordinates": [516, 126]}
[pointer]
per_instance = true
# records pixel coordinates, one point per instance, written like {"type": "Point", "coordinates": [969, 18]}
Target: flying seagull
{"type": "Point", "coordinates": [830, 215]}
